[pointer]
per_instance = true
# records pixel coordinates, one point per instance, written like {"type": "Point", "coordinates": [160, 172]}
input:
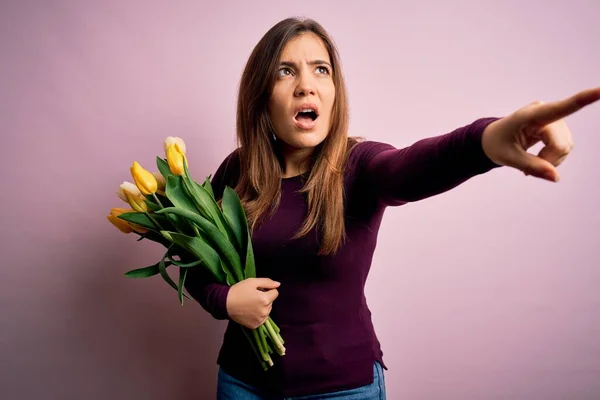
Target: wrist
{"type": "Point", "coordinates": [489, 141]}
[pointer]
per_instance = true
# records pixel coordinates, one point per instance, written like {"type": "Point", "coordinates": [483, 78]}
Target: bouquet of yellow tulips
{"type": "Point", "coordinates": [172, 209]}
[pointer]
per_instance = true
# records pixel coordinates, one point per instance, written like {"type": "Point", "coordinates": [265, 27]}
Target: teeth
{"type": "Point", "coordinates": [308, 110]}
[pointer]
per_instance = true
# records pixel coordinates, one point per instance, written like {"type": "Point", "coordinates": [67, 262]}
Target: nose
{"type": "Point", "coordinates": [305, 85]}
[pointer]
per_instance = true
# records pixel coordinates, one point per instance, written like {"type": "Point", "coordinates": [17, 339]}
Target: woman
{"type": "Point", "coordinates": [315, 199]}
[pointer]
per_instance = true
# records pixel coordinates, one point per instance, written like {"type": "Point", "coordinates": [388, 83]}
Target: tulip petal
{"type": "Point", "coordinates": [175, 159]}
{"type": "Point", "coordinates": [121, 195]}
{"type": "Point", "coordinates": [160, 180]}
{"type": "Point", "coordinates": [120, 224]}
{"type": "Point", "coordinates": [144, 180]}
{"type": "Point", "coordinates": [131, 188]}
{"type": "Point", "coordinates": [138, 203]}
{"type": "Point", "coordinates": [170, 140]}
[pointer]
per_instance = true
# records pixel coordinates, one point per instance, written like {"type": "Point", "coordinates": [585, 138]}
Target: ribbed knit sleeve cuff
{"type": "Point", "coordinates": [218, 301]}
{"type": "Point", "coordinates": [480, 161]}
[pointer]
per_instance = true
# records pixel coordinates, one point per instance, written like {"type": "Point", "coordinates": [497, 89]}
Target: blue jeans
{"type": "Point", "coordinates": [229, 388]}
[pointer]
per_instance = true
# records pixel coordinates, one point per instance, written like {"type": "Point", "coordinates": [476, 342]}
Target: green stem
{"type": "Point", "coordinates": [157, 200]}
{"type": "Point", "coordinates": [263, 337]}
{"type": "Point", "coordinates": [274, 325]}
{"type": "Point", "coordinates": [275, 337]}
{"type": "Point", "coordinates": [261, 349]}
{"type": "Point", "coordinates": [254, 345]}
{"type": "Point", "coordinates": [160, 228]}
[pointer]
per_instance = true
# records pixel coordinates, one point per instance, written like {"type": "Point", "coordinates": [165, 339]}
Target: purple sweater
{"type": "Point", "coordinates": [321, 309]}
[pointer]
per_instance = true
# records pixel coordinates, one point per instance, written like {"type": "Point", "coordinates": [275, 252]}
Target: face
{"type": "Point", "coordinates": [302, 99]}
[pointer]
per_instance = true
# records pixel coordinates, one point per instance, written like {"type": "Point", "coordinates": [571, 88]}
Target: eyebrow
{"type": "Point", "coordinates": [313, 62]}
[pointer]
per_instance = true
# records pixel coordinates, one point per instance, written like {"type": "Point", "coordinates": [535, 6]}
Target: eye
{"type": "Point", "coordinates": [284, 71]}
{"type": "Point", "coordinates": [323, 69]}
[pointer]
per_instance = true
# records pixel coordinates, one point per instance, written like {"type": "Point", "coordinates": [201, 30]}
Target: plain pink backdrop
{"type": "Point", "coordinates": [487, 292]}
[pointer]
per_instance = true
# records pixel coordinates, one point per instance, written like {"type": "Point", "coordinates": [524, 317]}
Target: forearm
{"type": "Point", "coordinates": [211, 295]}
{"type": "Point", "coordinates": [430, 166]}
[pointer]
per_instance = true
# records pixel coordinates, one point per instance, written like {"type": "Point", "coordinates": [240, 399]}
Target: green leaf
{"type": "Point", "coordinates": [155, 237]}
{"type": "Point", "coordinates": [208, 186]}
{"type": "Point", "coordinates": [142, 219]}
{"type": "Point", "coordinates": [145, 272]}
{"type": "Point", "coordinates": [182, 274]}
{"type": "Point", "coordinates": [177, 194]}
{"type": "Point", "coordinates": [142, 236]}
{"type": "Point", "coordinates": [151, 204]}
{"type": "Point", "coordinates": [229, 279]}
{"type": "Point", "coordinates": [250, 268]}
{"type": "Point", "coordinates": [183, 225]}
{"type": "Point", "coordinates": [162, 268]}
{"type": "Point", "coordinates": [209, 257]}
{"type": "Point", "coordinates": [206, 204]}
{"type": "Point", "coordinates": [182, 264]}
{"type": "Point", "coordinates": [235, 217]}
{"type": "Point", "coordinates": [215, 237]}
{"type": "Point", "coordinates": [163, 167]}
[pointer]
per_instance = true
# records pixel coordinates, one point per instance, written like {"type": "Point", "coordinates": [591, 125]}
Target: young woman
{"type": "Point", "coordinates": [315, 198]}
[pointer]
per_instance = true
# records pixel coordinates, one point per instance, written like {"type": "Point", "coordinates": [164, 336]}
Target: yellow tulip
{"type": "Point", "coordinates": [121, 224]}
{"type": "Point", "coordinates": [176, 158]}
{"type": "Point", "coordinates": [137, 203]}
{"type": "Point", "coordinates": [171, 140]}
{"type": "Point", "coordinates": [127, 187]}
{"type": "Point", "coordinates": [161, 182]}
{"type": "Point", "coordinates": [138, 228]}
{"type": "Point", "coordinates": [130, 194]}
{"type": "Point", "coordinates": [143, 179]}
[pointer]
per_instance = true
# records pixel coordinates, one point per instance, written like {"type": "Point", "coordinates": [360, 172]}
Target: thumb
{"type": "Point", "coordinates": [266, 283]}
{"type": "Point", "coordinates": [536, 166]}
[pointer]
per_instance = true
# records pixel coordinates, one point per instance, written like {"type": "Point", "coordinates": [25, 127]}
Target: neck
{"type": "Point", "coordinates": [296, 161]}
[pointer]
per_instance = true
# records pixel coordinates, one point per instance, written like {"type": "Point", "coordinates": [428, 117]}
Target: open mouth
{"type": "Point", "coordinates": [308, 115]}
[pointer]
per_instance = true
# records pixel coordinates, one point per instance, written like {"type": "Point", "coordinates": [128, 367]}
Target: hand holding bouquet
{"type": "Point", "coordinates": [170, 208]}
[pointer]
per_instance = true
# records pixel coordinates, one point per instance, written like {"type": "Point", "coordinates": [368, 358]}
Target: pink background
{"type": "Point", "coordinates": [489, 291]}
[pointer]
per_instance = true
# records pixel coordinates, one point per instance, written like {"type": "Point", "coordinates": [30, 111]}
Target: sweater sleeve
{"type": "Point", "coordinates": [426, 168]}
{"type": "Point", "coordinates": [200, 283]}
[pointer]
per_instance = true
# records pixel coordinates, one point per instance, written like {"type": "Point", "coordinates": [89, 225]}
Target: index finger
{"type": "Point", "coordinates": [550, 112]}
{"type": "Point", "coordinates": [271, 295]}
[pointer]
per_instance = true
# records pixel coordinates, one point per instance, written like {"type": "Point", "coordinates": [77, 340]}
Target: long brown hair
{"type": "Point", "coordinates": [261, 171]}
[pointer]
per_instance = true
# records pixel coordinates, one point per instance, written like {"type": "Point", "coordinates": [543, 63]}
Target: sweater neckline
{"type": "Point", "coordinates": [296, 177]}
